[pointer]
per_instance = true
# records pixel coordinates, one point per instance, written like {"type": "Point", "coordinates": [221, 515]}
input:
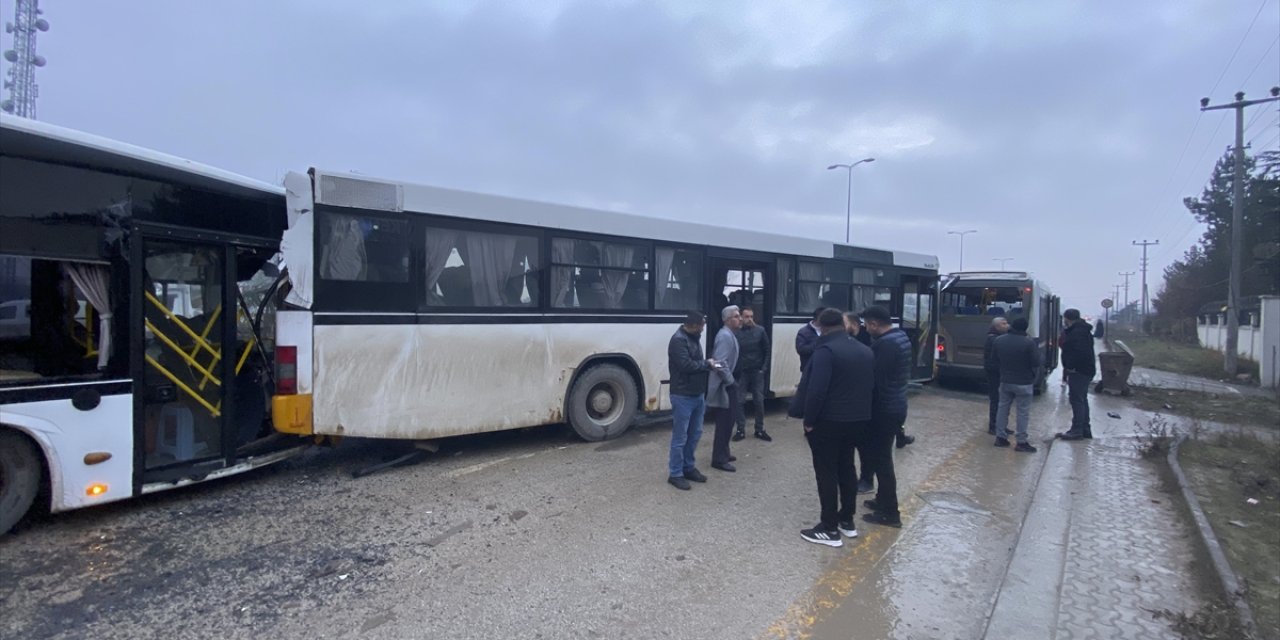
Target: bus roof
{"type": "Point", "coordinates": [995, 278]}
{"type": "Point", "coordinates": [347, 190]}
{"type": "Point", "coordinates": [41, 141]}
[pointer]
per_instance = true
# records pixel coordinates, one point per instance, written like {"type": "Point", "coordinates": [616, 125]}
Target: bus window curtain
{"type": "Point", "coordinates": [94, 281]}
{"type": "Point", "coordinates": [615, 282]}
{"type": "Point", "coordinates": [664, 258]}
{"type": "Point", "coordinates": [439, 247]}
{"type": "Point", "coordinates": [490, 257]}
{"type": "Point", "coordinates": [344, 255]}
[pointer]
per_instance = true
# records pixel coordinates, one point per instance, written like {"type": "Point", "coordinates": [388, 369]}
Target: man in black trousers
{"type": "Point", "coordinates": [892, 351]}
{"type": "Point", "coordinates": [991, 367]}
{"type": "Point", "coordinates": [836, 408]}
{"type": "Point", "coordinates": [1079, 368]}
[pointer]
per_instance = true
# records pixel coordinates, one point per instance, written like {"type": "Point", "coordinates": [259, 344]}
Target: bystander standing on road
{"type": "Point", "coordinates": [1019, 360]}
{"type": "Point", "coordinates": [866, 481]}
{"type": "Point", "coordinates": [999, 327]}
{"type": "Point", "coordinates": [1078, 367]}
{"type": "Point", "coordinates": [807, 339]}
{"type": "Point", "coordinates": [892, 350]}
{"type": "Point", "coordinates": [722, 392]}
{"type": "Point", "coordinates": [836, 409]}
{"type": "Point", "coordinates": [753, 362]}
{"type": "Point", "coordinates": [688, 371]}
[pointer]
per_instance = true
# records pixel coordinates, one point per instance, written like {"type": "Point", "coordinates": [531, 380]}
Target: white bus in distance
{"type": "Point", "coordinates": [418, 312]}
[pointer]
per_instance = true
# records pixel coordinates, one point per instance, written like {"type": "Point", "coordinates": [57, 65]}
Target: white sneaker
{"type": "Point", "coordinates": [848, 529]}
{"type": "Point", "coordinates": [822, 536]}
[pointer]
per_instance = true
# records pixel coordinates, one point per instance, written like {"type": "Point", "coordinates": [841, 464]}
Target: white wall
{"type": "Point", "coordinates": [1261, 343]}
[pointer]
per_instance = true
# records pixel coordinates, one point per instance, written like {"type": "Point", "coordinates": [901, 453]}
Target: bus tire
{"type": "Point", "coordinates": [602, 402]}
{"type": "Point", "coordinates": [20, 473]}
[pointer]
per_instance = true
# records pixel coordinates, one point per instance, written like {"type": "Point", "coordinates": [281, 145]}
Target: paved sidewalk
{"type": "Point", "coordinates": [1102, 548]}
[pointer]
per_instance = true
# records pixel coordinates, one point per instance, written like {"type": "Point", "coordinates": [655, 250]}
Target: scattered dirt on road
{"type": "Point", "coordinates": [1249, 410]}
{"type": "Point", "coordinates": [1237, 480]}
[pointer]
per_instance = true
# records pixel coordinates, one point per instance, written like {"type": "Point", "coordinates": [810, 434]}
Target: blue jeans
{"type": "Point", "coordinates": [687, 414]}
{"type": "Point", "coordinates": [1008, 394]}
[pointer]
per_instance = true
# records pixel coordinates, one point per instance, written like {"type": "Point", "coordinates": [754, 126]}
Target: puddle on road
{"type": "Point", "coordinates": [951, 501]}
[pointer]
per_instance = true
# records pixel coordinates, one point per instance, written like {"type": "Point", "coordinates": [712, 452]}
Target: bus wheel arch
{"type": "Point", "coordinates": [23, 474]}
{"type": "Point", "coordinates": [604, 397]}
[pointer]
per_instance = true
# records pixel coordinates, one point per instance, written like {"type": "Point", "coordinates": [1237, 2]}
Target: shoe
{"type": "Point", "coordinates": [991, 431]}
{"type": "Point", "coordinates": [866, 487]}
{"type": "Point", "coordinates": [876, 517]}
{"type": "Point", "coordinates": [723, 466]}
{"type": "Point", "coordinates": [694, 475]}
{"type": "Point", "coordinates": [733, 458]}
{"type": "Point", "coordinates": [822, 536]}
{"type": "Point", "coordinates": [760, 433]}
{"type": "Point", "coordinates": [1002, 442]}
{"type": "Point", "coordinates": [847, 529]}
{"type": "Point", "coordinates": [1025, 447]}
{"type": "Point", "coordinates": [1088, 435]}
{"type": "Point", "coordinates": [1071, 435]}
{"type": "Point", "coordinates": [904, 440]}
{"type": "Point", "coordinates": [870, 504]}
{"type": "Point", "coordinates": [679, 483]}
{"type": "Point", "coordinates": [739, 435]}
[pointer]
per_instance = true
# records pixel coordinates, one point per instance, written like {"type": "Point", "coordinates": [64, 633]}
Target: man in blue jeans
{"type": "Point", "coordinates": [689, 371]}
{"type": "Point", "coordinates": [1019, 360]}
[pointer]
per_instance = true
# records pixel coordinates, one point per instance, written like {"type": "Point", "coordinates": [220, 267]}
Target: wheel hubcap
{"type": "Point", "coordinates": [604, 403]}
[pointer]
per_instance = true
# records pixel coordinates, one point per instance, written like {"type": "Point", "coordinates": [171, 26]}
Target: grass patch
{"type": "Point", "coordinates": [1179, 357]}
{"type": "Point", "coordinates": [1247, 410]}
{"type": "Point", "coordinates": [1225, 472]}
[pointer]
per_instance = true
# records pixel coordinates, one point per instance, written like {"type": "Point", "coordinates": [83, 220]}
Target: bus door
{"type": "Point", "coordinates": [742, 282]}
{"type": "Point", "coordinates": [919, 321]}
{"type": "Point", "coordinates": [193, 378]}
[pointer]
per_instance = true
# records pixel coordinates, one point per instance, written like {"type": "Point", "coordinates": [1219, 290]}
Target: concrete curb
{"type": "Point", "coordinates": [1231, 583]}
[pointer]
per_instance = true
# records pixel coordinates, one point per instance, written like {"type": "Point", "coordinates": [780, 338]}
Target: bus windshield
{"type": "Point", "coordinates": [983, 301]}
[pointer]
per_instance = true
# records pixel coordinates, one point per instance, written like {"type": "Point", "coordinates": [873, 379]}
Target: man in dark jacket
{"type": "Point", "coordinates": [688, 370]}
{"type": "Point", "coordinates": [892, 351]}
{"type": "Point", "coordinates": [837, 387]}
{"type": "Point", "coordinates": [807, 339]}
{"type": "Point", "coordinates": [999, 327]}
{"type": "Point", "coordinates": [1020, 360]}
{"type": "Point", "coordinates": [1079, 368]}
{"type": "Point", "coordinates": [753, 362]}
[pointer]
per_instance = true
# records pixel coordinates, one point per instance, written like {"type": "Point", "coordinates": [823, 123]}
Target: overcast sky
{"type": "Point", "coordinates": [1056, 129]}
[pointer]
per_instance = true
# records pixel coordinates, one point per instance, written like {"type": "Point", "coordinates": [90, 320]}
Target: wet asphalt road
{"type": "Point", "coordinates": [535, 534]}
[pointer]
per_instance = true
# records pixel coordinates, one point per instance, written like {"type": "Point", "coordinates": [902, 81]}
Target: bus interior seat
{"type": "Point", "coordinates": [995, 311]}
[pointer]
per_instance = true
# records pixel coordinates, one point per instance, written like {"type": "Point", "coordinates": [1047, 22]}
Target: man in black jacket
{"type": "Point", "coordinates": [753, 362]}
{"type": "Point", "coordinates": [836, 408]}
{"type": "Point", "coordinates": [1079, 368]}
{"type": "Point", "coordinates": [688, 370]}
{"type": "Point", "coordinates": [892, 352]}
{"type": "Point", "coordinates": [807, 339]}
{"type": "Point", "coordinates": [999, 327]}
{"type": "Point", "coordinates": [1019, 359]}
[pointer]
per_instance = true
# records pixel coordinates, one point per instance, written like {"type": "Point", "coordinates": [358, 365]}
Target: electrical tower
{"type": "Point", "coordinates": [21, 78]}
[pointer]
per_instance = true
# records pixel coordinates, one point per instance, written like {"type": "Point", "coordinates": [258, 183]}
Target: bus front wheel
{"type": "Point", "coordinates": [19, 478]}
{"type": "Point", "coordinates": [602, 402]}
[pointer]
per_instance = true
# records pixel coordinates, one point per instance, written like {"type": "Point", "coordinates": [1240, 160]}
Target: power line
{"type": "Point", "coordinates": [1260, 61]}
{"type": "Point", "coordinates": [1192, 172]}
{"type": "Point", "coordinates": [1241, 44]}
{"type": "Point", "coordinates": [1264, 130]}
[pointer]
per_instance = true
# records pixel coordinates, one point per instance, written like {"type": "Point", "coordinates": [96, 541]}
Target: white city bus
{"type": "Point", "coordinates": [970, 300]}
{"type": "Point", "coordinates": [418, 312]}
{"type": "Point", "coordinates": [125, 275]}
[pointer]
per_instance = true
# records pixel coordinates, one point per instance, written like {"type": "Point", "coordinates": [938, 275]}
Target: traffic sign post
{"type": "Point", "coordinates": [1107, 303]}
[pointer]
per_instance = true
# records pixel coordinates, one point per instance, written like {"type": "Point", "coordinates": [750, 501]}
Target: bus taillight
{"type": "Point", "coordinates": [942, 348]}
{"type": "Point", "coordinates": [286, 371]}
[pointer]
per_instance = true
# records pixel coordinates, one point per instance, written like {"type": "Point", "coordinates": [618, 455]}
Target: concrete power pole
{"type": "Point", "coordinates": [1144, 244]}
{"type": "Point", "coordinates": [1126, 275]}
{"type": "Point", "coordinates": [1231, 359]}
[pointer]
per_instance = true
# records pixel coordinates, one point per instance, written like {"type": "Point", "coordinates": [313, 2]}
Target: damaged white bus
{"type": "Point", "coordinates": [417, 312]}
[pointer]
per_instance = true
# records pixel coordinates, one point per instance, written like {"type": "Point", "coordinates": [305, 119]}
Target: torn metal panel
{"type": "Point", "coordinates": [296, 244]}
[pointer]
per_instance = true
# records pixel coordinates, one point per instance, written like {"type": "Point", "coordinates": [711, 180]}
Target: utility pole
{"type": "Point", "coordinates": [1231, 357]}
{"type": "Point", "coordinates": [1144, 244]}
{"type": "Point", "coordinates": [1126, 275]}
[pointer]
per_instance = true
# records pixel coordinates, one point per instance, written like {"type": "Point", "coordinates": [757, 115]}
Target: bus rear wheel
{"type": "Point", "coordinates": [602, 402]}
{"type": "Point", "coordinates": [19, 478]}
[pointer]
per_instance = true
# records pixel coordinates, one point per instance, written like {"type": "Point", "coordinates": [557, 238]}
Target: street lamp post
{"type": "Point", "coordinates": [848, 201]}
{"type": "Point", "coordinates": [1002, 261]}
{"type": "Point", "coordinates": [962, 234]}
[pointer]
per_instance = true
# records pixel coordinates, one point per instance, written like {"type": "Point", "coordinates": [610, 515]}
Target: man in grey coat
{"type": "Point", "coordinates": [721, 392]}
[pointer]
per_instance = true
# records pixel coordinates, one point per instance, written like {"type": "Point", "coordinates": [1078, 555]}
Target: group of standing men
{"type": "Point", "coordinates": [851, 397]}
{"type": "Point", "coordinates": [1014, 364]}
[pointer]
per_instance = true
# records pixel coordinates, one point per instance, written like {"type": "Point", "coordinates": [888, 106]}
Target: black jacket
{"type": "Point", "coordinates": [806, 340]}
{"type": "Point", "coordinates": [753, 348]}
{"type": "Point", "coordinates": [838, 383]}
{"type": "Point", "coordinates": [989, 352]}
{"type": "Point", "coordinates": [1077, 349]}
{"type": "Point", "coordinates": [1019, 359]}
{"type": "Point", "coordinates": [687, 366]}
{"type": "Point", "coordinates": [893, 371]}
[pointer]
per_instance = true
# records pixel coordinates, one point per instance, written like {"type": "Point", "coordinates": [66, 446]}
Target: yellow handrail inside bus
{"type": "Point", "coordinates": [181, 385]}
{"type": "Point", "coordinates": [204, 337]}
{"type": "Point", "coordinates": [200, 342]}
{"type": "Point", "coordinates": [182, 354]}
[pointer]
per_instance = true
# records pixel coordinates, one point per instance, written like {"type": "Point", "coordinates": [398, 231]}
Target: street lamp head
{"type": "Point", "coordinates": [868, 159]}
{"type": "Point", "coordinates": [834, 166]}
